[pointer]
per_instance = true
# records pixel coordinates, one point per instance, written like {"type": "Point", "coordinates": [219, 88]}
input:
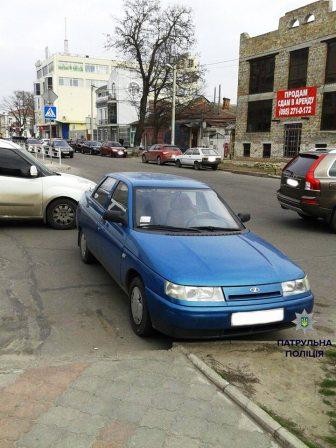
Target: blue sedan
{"type": "Point", "coordinates": [188, 264]}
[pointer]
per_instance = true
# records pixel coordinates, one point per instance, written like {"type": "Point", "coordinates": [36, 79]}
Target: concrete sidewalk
{"type": "Point", "coordinates": [152, 400]}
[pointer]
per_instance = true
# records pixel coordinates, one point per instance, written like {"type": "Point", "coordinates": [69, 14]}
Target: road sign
{"type": "Point", "coordinates": [50, 112]}
{"type": "Point", "coordinates": [49, 96]}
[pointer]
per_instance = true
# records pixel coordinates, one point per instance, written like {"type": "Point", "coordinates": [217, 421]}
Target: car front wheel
{"type": "Point", "coordinates": [197, 166]}
{"type": "Point", "coordinates": [61, 214]}
{"type": "Point", "coordinates": [86, 255]}
{"type": "Point", "coordinates": [138, 309]}
{"type": "Point", "coordinates": [158, 160]}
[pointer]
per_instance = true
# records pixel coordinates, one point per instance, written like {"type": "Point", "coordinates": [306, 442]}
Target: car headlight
{"type": "Point", "coordinates": [194, 293]}
{"type": "Point", "coordinates": [295, 286]}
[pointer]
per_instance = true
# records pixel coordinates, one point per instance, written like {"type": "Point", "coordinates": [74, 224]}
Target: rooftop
{"type": "Point", "coordinates": [138, 179]}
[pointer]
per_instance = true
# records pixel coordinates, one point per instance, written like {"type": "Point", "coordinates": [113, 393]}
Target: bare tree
{"type": "Point", "coordinates": [146, 35]}
{"type": "Point", "coordinates": [21, 106]}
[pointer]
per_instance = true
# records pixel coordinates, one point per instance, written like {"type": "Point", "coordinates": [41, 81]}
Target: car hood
{"type": "Point", "coordinates": [75, 181]}
{"type": "Point", "coordinates": [226, 260]}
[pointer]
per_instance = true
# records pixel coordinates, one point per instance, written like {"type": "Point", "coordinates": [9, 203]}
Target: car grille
{"type": "Point", "coordinates": [253, 292]}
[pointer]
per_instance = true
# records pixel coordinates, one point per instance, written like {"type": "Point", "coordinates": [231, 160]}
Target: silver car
{"type": "Point", "coordinates": [29, 190]}
{"type": "Point", "coordinates": [199, 158]}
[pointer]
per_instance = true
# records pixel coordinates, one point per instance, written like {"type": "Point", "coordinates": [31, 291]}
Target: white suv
{"type": "Point", "coordinates": [199, 158]}
{"type": "Point", "coordinates": [29, 190]}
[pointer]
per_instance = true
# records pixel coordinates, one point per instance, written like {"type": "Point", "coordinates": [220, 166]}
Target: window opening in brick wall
{"type": "Point", "coordinates": [259, 116]}
{"type": "Point", "coordinates": [266, 150]}
{"type": "Point", "coordinates": [328, 121]}
{"type": "Point", "coordinates": [246, 149]}
{"type": "Point", "coordinates": [298, 63]}
{"type": "Point", "coordinates": [262, 75]}
{"type": "Point", "coordinates": [330, 73]}
{"type": "Point", "coordinates": [292, 139]}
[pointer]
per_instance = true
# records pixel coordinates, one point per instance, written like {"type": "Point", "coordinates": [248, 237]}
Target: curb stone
{"type": "Point", "coordinates": [280, 434]}
{"type": "Point", "coordinates": [252, 173]}
{"type": "Point", "coordinates": [57, 167]}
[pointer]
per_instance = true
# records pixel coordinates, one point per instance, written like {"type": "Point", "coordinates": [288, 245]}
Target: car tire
{"type": "Point", "coordinates": [332, 222]}
{"type": "Point", "coordinates": [214, 167]}
{"type": "Point", "coordinates": [138, 310]}
{"type": "Point", "coordinates": [71, 156]}
{"type": "Point", "coordinates": [197, 166]}
{"type": "Point", "coordinates": [61, 214]}
{"type": "Point", "coordinates": [158, 161]}
{"type": "Point", "coordinates": [144, 160]}
{"type": "Point", "coordinates": [178, 163]}
{"type": "Point", "coordinates": [85, 253]}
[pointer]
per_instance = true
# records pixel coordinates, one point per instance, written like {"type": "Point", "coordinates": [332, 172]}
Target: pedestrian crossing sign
{"type": "Point", "coordinates": [50, 112]}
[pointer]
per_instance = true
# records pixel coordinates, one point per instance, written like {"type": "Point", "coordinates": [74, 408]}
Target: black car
{"type": "Point", "coordinates": [91, 147]}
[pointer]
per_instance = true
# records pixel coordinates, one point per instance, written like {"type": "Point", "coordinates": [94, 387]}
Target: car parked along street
{"type": "Point", "coordinates": [161, 154]}
{"type": "Point", "coordinates": [112, 149]}
{"type": "Point", "coordinates": [199, 158]}
{"type": "Point", "coordinates": [308, 186]}
{"type": "Point", "coordinates": [29, 190]}
{"type": "Point", "coordinates": [188, 264]}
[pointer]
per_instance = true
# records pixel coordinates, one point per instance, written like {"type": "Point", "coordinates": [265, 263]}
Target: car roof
{"type": "Point", "coordinates": [139, 179]}
{"type": "Point", "coordinates": [318, 151]}
{"type": "Point", "coordinates": [8, 144]}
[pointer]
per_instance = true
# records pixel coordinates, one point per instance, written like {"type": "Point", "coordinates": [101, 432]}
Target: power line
{"type": "Point", "coordinates": [221, 62]}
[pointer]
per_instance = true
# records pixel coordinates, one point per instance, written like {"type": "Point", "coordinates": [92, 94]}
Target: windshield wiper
{"type": "Point", "coordinates": [215, 229]}
{"type": "Point", "coordinates": [170, 228]}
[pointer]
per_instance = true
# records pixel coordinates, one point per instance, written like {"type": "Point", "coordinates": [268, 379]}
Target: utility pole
{"type": "Point", "coordinates": [219, 96]}
{"type": "Point", "coordinates": [172, 141]}
{"type": "Point", "coordinates": [91, 118]}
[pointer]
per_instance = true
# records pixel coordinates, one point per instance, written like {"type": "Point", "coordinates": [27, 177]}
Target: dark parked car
{"type": "Point", "coordinates": [59, 145]}
{"type": "Point", "coordinates": [308, 185]}
{"type": "Point", "coordinates": [91, 147]}
{"type": "Point", "coordinates": [113, 149]}
{"type": "Point", "coordinates": [77, 144]}
{"type": "Point", "coordinates": [161, 153]}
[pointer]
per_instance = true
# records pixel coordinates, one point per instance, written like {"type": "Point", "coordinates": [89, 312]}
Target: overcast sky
{"type": "Point", "coordinates": [26, 28]}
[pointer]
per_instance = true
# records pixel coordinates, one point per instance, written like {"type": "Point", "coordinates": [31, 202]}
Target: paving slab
{"type": "Point", "coordinates": [147, 401]}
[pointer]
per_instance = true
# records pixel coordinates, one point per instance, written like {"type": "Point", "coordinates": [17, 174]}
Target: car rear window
{"type": "Point", "coordinates": [301, 164]}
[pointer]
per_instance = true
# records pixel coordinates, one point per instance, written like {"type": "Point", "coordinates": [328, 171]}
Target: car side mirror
{"type": "Point", "coordinates": [244, 217]}
{"type": "Point", "coordinates": [115, 216]}
{"type": "Point", "coordinates": [33, 171]}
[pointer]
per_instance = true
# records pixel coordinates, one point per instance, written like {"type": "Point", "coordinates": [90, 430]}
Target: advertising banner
{"type": "Point", "coordinates": [299, 102]}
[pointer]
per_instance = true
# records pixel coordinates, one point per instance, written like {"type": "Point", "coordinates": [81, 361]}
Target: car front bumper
{"type": "Point", "coordinates": [215, 321]}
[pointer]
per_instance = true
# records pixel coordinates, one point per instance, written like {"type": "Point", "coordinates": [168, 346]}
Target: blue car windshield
{"type": "Point", "coordinates": [183, 209]}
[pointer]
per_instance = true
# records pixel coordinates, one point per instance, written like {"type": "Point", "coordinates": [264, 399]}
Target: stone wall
{"type": "Point", "coordinates": [281, 42]}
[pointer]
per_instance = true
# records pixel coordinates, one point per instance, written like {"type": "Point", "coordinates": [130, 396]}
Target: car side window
{"type": "Point", "coordinates": [332, 170]}
{"type": "Point", "coordinates": [188, 152]}
{"type": "Point", "coordinates": [196, 152]}
{"type": "Point", "coordinates": [103, 191]}
{"type": "Point", "coordinates": [11, 164]}
{"type": "Point", "coordinates": [119, 200]}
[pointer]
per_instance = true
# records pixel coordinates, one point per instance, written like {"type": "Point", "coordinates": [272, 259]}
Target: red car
{"type": "Point", "coordinates": [161, 153]}
{"type": "Point", "coordinates": [113, 149]}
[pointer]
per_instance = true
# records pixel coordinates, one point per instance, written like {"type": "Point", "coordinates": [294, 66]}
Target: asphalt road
{"type": "Point", "coordinates": [53, 305]}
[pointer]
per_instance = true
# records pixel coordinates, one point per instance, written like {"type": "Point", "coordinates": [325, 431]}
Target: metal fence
{"type": "Point", "coordinates": [45, 153]}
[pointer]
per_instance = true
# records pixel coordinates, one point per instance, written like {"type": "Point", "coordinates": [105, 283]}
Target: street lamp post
{"type": "Point", "coordinates": [173, 67]}
{"type": "Point", "coordinates": [91, 120]}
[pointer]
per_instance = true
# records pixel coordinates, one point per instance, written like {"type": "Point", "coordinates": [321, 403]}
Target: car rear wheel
{"type": "Point", "coordinates": [197, 166]}
{"type": "Point", "coordinates": [86, 255]}
{"type": "Point", "coordinates": [214, 167]}
{"type": "Point", "coordinates": [178, 163]}
{"type": "Point", "coordinates": [158, 161]}
{"type": "Point", "coordinates": [143, 159]}
{"type": "Point", "coordinates": [138, 309]}
{"type": "Point", "coordinates": [61, 214]}
{"type": "Point", "coordinates": [333, 222]}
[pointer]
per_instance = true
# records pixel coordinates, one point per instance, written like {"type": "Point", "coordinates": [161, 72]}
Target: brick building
{"type": "Point", "coordinates": [287, 85]}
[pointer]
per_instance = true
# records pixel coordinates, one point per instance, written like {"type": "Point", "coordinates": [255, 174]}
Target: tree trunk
{"type": "Point", "coordinates": [142, 116]}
